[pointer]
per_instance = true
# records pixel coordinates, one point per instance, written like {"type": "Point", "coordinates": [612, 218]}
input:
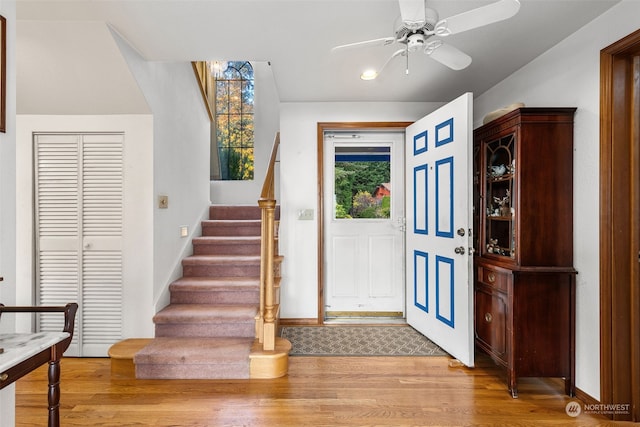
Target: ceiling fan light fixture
{"type": "Point", "coordinates": [369, 74]}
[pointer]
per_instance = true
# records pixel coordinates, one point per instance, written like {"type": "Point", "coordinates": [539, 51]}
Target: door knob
{"type": "Point", "coordinates": [459, 250]}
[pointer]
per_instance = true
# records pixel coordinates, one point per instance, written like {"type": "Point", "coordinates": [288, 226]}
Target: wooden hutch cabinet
{"type": "Point", "coordinates": [523, 243]}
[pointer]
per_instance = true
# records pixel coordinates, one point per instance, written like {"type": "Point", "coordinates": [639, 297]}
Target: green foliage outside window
{"type": "Point", "coordinates": [234, 104]}
{"type": "Point", "coordinates": [355, 183]}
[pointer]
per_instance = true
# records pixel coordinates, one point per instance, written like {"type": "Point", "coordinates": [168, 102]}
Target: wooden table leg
{"type": "Point", "coordinates": [54, 393]}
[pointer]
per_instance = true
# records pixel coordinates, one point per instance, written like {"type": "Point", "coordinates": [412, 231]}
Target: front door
{"type": "Point", "coordinates": [438, 259]}
{"type": "Point", "coordinates": [364, 223]}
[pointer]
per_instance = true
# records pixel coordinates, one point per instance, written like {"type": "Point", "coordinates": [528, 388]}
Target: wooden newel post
{"type": "Point", "coordinates": [269, 331]}
{"type": "Point", "coordinates": [266, 318]}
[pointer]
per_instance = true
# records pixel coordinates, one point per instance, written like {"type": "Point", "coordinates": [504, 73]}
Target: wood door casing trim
{"type": "Point", "coordinates": [321, 129]}
{"type": "Point", "coordinates": [619, 228]}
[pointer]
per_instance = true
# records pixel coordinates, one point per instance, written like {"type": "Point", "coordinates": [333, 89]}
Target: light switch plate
{"type": "Point", "coordinates": [163, 202]}
{"type": "Point", "coordinates": [305, 214]}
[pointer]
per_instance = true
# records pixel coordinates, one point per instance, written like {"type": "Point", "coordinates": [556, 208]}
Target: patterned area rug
{"type": "Point", "coordinates": [359, 341]}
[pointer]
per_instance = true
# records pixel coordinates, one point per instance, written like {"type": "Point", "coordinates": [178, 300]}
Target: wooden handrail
{"type": "Point", "coordinates": [207, 86]}
{"type": "Point", "coordinates": [268, 313]}
{"type": "Point", "coordinates": [268, 188]}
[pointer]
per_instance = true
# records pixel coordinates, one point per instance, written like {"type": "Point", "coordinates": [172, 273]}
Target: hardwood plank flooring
{"type": "Point", "coordinates": [318, 391]}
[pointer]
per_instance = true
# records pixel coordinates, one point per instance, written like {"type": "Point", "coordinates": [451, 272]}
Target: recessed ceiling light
{"type": "Point", "coordinates": [369, 75]}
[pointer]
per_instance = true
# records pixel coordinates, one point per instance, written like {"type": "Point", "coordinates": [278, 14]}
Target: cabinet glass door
{"type": "Point", "coordinates": [500, 197]}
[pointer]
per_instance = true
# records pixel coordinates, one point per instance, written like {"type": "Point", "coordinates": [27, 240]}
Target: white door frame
{"type": "Point", "coordinates": [322, 204]}
{"type": "Point", "coordinates": [364, 267]}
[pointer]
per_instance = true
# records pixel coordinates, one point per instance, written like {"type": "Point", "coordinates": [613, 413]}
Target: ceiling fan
{"type": "Point", "coordinates": [420, 28]}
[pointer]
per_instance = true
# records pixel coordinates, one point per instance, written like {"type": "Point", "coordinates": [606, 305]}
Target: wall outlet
{"type": "Point", "coordinates": [163, 202]}
{"type": "Point", "coordinates": [184, 231]}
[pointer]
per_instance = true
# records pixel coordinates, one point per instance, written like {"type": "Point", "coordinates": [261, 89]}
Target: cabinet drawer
{"type": "Point", "coordinates": [493, 278]}
{"type": "Point", "coordinates": [491, 321]}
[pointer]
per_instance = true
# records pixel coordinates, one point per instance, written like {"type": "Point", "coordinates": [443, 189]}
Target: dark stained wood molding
{"type": "Point", "coordinates": [322, 127]}
{"type": "Point", "coordinates": [586, 398]}
{"type": "Point", "coordinates": [619, 228]}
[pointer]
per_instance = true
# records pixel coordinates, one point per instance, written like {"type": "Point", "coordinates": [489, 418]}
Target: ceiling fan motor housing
{"type": "Point", "coordinates": [415, 35]}
{"type": "Point", "coordinates": [415, 42]}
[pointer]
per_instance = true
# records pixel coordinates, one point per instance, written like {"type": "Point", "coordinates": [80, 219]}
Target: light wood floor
{"type": "Point", "coordinates": [319, 391]}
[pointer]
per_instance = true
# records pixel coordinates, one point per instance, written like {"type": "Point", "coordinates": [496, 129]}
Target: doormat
{"type": "Point", "coordinates": [359, 341]}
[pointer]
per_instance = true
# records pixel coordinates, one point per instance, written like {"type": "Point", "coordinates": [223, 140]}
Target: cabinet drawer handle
{"type": "Point", "coordinates": [488, 317]}
{"type": "Point", "coordinates": [491, 277]}
{"type": "Point", "coordinates": [3, 377]}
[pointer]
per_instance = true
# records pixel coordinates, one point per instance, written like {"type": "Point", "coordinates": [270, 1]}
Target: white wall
{"type": "Point", "coordinates": [568, 76]}
{"type": "Point", "coordinates": [7, 203]}
{"type": "Point", "coordinates": [63, 74]}
{"type": "Point", "coordinates": [298, 239]}
{"type": "Point", "coordinates": [180, 161]}
{"type": "Point", "coordinates": [266, 116]}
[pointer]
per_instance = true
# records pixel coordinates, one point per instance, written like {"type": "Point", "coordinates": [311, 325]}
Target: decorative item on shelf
{"type": "Point", "coordinates": [492, 246]}
{"type": "Point", "coordinates": [498, 170]}
{"type": "Point", "coordinates": [501, 112]}
{"type": "Point", "coordinates": [511, 169]}
{"type": "Point", "coordinates": [503, 204]}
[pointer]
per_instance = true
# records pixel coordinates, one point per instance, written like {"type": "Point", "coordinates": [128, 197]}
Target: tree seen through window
{"type": "Point", "coordinates": [234, 108]}
{"type": "Point", "coordinates": [362, 189]}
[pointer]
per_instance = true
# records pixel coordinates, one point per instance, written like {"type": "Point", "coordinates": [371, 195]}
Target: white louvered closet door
{"type": "Point", "coordinates": [79, 216]}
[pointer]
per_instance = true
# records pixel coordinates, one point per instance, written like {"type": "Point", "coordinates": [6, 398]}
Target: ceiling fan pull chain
{"type": "Point", "coordinates": [406, 72]}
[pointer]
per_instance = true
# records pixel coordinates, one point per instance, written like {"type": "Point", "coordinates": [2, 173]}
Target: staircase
{"type": "Point", "coordinates": [208, 330]}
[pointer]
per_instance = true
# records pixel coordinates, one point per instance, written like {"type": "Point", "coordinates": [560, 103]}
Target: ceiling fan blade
{"type": "Point", "coordinates": [413, 13]}
{"type": "Point", "coordinates": [479, 17]}
{"type": "Point", "coordinates": [447, 55]}
{"type": "Point", "coordinates": [376, 42]}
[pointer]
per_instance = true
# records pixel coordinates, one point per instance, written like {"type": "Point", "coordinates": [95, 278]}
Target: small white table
{"type": "Point", "coordinates": [22, 353]}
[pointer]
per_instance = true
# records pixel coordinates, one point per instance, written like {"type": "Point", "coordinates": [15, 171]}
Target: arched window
{"type": "Point", "coordinates": [234, 118]}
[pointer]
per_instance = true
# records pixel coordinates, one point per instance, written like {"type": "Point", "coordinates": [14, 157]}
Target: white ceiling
{"type": "Point", "coordinates": [296, 37]}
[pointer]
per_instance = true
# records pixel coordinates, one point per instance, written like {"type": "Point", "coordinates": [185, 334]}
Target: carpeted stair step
{"type": "Point", "coordinates": [221, 266]}
{"type": "Point", "coordinates": [207, 290]}
{"type": "Point", "coordinates": [248, 227]}
{"type": "Point", "coordinates": [226, 245]}
{"type": "Point", "coordinates": [238, 212]}
{"type": "Point", "coordinates": [194, 358]}
{"type": "Point", "coordinates": [206, 320]}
